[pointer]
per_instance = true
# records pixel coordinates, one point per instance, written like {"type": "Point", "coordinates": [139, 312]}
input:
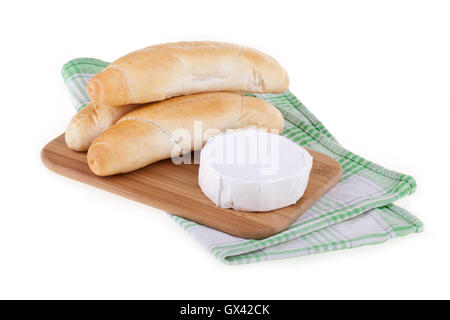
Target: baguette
{"type": "Point", "coordinates": [168, 128]}
{"type": "Point", "coordinates": [90, 122]}
{"type": "Point", "coordinates": [173, 69]}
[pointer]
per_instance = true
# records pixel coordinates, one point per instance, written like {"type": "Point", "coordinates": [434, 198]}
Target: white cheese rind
{"type": "Point", "coordinates": [238, 189]}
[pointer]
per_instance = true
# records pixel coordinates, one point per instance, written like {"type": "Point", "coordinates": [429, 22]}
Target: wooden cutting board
{"type": "Point", "coordinates": [174, 188]}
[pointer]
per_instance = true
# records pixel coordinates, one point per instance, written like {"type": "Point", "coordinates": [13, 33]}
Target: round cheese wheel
{"type": "Point", "coordinates": [252, 170]}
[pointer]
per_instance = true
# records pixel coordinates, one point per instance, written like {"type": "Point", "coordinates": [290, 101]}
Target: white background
{"type": "Point", "coordinates": [377, 73]}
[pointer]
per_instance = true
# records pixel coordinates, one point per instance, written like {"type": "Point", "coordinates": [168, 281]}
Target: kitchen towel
{"type": "Point", "coordinates": [358, 211]}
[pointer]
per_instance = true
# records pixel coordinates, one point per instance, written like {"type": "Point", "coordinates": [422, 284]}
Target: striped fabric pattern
{"type": "Point", "coordinates": [358, 211]}
{"type": "Point", "coordinates": [76, 74]}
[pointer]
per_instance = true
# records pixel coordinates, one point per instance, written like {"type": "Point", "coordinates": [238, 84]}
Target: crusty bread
{"type": "Point", "coordinates": [164, 129]}
{"type": "Point", "coordinates": [90, 122]}
{"type": "Point", "coordinates": [173, 69]}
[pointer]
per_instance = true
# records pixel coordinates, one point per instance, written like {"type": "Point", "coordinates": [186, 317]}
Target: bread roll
{"type": "Point", "coordinates": [175, 127]}
{"type": "Point", "coordinates": [90, 122]}
{"type": "Point", "coordinates": [173, 69]}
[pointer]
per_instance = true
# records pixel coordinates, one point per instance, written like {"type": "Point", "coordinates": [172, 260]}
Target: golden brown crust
{"type": "Point", "coordinates": [173, 69]}
{"type": "Point", "coordinates": [261, 114]}
{"type": "Point", "coordinates": [90, 122]}
{"type": "Point", "coordinates": [127, 146]}
{"type": "Point", "coordinates": [176, 126]}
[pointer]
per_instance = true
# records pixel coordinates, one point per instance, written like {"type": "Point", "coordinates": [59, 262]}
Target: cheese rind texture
{"type": "Point", "coordinates": [265, 171]}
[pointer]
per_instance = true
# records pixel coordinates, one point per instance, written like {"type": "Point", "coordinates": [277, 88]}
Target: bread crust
{"type": "Point", "coordinates": [90, 122]}
{"type": "Point", "coordinates": [152, 132]}
{"type": "Point", "coordinates": [172, 69]}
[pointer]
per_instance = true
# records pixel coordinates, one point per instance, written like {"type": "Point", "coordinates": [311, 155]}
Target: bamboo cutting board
{"type": "Point", "coordinates": [174, 188]}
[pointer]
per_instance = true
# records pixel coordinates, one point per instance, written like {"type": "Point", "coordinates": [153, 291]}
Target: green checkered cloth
{"type": "Point", "coordinates": [358, 211]}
